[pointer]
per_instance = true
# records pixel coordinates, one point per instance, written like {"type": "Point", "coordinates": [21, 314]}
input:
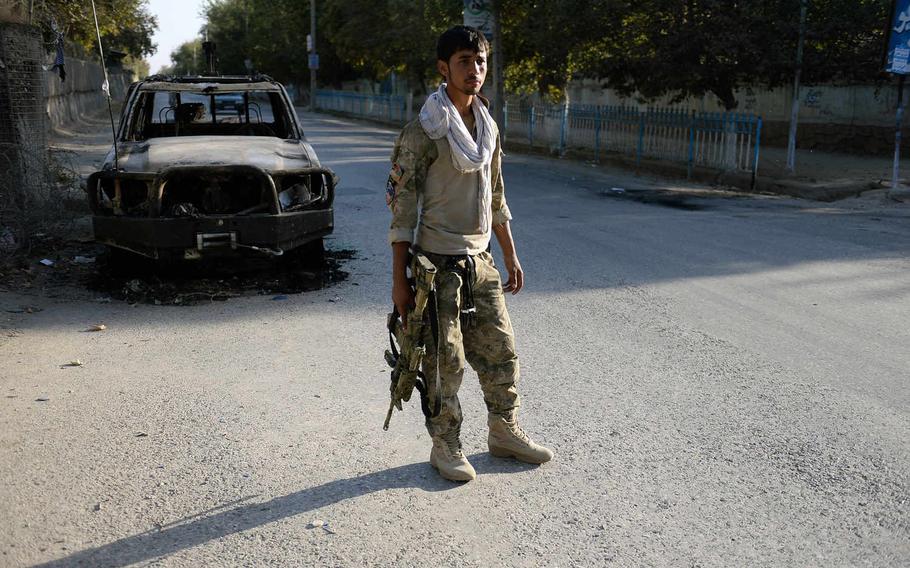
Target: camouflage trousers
{"type": "Point", "coordinates": [488, 344]}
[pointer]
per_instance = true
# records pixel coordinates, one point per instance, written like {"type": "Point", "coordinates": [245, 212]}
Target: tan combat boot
{"type": "Point", "coordinates": [446, 456]}
{"type": "Point", "coordinates": [508, 440]}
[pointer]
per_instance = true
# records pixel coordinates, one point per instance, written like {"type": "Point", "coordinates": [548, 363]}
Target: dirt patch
{"type": "Point", "coordinates": [88, 271]}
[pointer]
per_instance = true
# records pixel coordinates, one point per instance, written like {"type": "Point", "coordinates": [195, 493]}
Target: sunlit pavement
{"type": "Point", "coordinates": [722, 378]}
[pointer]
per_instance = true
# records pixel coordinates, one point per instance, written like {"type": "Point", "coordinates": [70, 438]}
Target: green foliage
{"type": "Point", "coordinates": [845, 40]}
{"type": "Point", "coordinates": [187, 59]}
{"type": "Point", "coordinates": [125, 25]}
{"type": "Point", "coordinates": [355, 38]}
{"type": "Point", "coordinates": [692, 47]}
{"type": "Point", "coordinates": [378, 37]}
{"type": "Point", "coordinates": [545, 42]}
{"type": "Point", "coordinates": [271, 34]}
{"type": "Point", "coordinates": [140, 67]}
{"type": "Point", "coordinates": [649, 48]}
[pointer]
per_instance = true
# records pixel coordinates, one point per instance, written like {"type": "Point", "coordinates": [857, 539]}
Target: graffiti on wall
{"type": "Point", "coordinates": [813, 99]}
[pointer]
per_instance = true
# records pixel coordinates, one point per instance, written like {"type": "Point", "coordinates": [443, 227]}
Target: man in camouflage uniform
{"type": "Point", "coordinates": [446, 165]}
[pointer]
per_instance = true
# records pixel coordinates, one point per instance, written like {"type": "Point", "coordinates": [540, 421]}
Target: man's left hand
{"type": "Point", "coordinates": [516, 279]}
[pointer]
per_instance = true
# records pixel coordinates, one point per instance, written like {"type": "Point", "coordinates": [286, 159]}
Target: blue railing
{"type": "Point", "coordinates": [378, 107]}
{"type": "Point", "coordinates": [725, 141]}
{"type": "Point", "coordinates": [722, 141]}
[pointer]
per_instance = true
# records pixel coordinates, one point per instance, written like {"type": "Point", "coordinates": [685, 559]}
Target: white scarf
{"type": "Point", "coordinates": [439, 118]}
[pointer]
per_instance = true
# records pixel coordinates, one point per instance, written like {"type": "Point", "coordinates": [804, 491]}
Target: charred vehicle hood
{"type": "Point", "coordinates": [268, 153]}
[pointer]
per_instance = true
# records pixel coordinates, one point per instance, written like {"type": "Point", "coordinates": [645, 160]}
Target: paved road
{"type": "Point", "coordinates": [723, 379]}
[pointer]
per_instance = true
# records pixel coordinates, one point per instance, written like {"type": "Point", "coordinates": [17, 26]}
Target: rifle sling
{"type": "Point", "coordinates": [468, 275]}
{"type": "Point", "coordinates": [392, 347]}
{"type": "Point", "coordinates": [434, 325]}
{"type": "Point", "coordinates": [421, 383]}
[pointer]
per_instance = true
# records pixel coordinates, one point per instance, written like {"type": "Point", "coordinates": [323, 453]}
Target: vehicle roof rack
{"type": "Point", "coordinates": [204, 79]}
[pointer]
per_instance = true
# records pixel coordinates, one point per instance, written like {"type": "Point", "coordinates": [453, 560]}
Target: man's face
{"type": "Point", "coordinates": [465, 70]}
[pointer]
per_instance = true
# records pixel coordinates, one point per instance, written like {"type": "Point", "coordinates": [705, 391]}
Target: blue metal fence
{"type": "Point", "coordinates": [725, 141]}
{"type": "Point", "coordinates": [380, 107]}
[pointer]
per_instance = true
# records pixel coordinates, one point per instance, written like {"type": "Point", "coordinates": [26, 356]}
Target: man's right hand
{"type": "Point", "coordinates": [402, 293]}
{"type": "Point", "coordinates": [403, 298]}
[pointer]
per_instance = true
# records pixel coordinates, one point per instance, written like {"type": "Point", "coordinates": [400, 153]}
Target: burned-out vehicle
{"type": "Point", "coordinates": [210, 165]}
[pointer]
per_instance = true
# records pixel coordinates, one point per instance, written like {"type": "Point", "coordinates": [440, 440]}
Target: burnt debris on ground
{"type": "Point", "coordinates": [87, 270]}
{"type": "Point", "coordinates": [664, 198]}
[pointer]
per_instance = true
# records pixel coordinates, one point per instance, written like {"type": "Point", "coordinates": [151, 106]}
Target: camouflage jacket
{"type": "Point", "coordinates": [425, 192]}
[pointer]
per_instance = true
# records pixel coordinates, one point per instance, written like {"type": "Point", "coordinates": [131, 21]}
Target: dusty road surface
{"type": "Point", "coordinates": [723, 380]}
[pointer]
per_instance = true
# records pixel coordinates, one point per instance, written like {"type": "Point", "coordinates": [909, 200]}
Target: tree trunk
{"type": "Point", "coordinates": [726, 96]}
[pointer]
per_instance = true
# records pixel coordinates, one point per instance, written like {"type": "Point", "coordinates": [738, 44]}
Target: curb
{"type": "Point", "coordinates": [816, 191]}
{"type": "Point", "coordinates": [737, 181]}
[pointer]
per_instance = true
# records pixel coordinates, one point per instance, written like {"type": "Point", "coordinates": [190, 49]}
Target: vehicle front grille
{"type": "Point", "coordinates": [194, 193]}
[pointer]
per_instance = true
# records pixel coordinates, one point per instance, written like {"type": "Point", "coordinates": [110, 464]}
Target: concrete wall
{"type": "Point", "coordinates": [859, 104]}
{"type": "Point", "coordinates": [81, 93]}
{"type": "Point", "coordinates": [857, 119]}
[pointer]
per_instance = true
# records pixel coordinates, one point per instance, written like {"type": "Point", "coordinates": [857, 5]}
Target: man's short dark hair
{"type": "Point", "coordinates": [457, 38]}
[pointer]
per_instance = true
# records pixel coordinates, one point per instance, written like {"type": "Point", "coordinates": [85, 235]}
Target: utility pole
{"type": "Point", "coordinates": [895, 169]}
{"type": "Point", "coordinates": [314, 57]}
{"type": "Point", "coordinates": [896, 62]}
{"type": "Point", "coordinates": [499, 109]}
{"type": "Point", "coordinates": [794, 112]}
{"type": "Point", "coordinates": [246, 38]}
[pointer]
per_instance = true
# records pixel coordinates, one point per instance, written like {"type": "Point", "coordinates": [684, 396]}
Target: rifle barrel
{"type": "Point", "coordinates": [388, 417]}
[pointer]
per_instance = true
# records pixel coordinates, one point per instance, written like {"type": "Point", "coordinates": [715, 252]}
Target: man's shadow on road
{"type": "Point", "coordinates": [203, 527]}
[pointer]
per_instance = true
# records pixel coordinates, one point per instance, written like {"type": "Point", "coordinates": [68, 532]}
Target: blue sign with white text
{"type": "Point", "coordinates": [899, 40]}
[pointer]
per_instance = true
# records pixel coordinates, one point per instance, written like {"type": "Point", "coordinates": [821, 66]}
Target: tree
{"type": "Point", "coordinates": [379, 37]}
{"type": "Point", "coordinates": [125, 25]}
{"type": "Point", "coordinates": [692, 47]}
{"type": "Point", "coordinates": [646, 48]}
{"type": "Point", "coordinates": [355, 38]}
{"type": "Point", "coordinates": [547, 43]}
{"type": "Point", "coordinates": [187, 59]}
{"type": "Point", "coordinates": [271, 34]}
{"type": "Point", "coordinates": [845, 40]}
{"type": "Point", "coordinates": [139, 66]}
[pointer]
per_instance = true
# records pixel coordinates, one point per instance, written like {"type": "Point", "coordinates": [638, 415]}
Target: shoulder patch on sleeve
{"type": "Point", "coordinates": [391, 186]}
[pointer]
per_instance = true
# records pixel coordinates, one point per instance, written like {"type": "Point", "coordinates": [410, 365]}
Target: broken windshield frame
{"type": "Point", "coordinates": [167, 113]}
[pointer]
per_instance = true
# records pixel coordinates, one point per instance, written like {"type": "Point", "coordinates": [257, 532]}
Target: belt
{"type": "Point", "coordinates": [468, 310]}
